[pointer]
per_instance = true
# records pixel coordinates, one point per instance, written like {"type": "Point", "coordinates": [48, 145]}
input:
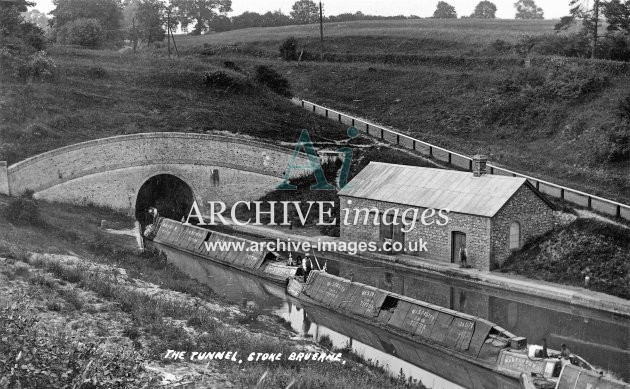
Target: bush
{"type": "Point", "coordinates": [232, 66]}
{"type": "Point", "coordinates": [32, 35]}
{"type": "Point", "coordinates": [501, 46]}
{"type": "Point", "coordinates": [614, 46]}
{"type": "Point", "coordinates": [288, 49]}
{"type": "Point", "coordinates": [619, 141]}
{"type": "Point", "coordinates": [37, 66]}
{"type": "Point", "coordinates": [273, 80]}
{"type": "Point", "coordinates": [219, 79]}
{"type": "Point", "coordinates": [23, 211]}
{"type": "Point", "coordinates": [623, 109]}
{"type": "Point", "coordinates": [573, 83]}
{"type": "Point", "coordinates": [569, 45]}
{"type": "Point", "coordinates": [82, 32]}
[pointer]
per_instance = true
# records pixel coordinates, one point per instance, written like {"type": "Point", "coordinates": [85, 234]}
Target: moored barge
{"type": "Point", "coordinates": [467, 337]}
{"type": "Point", "coordinates": [236, 253]}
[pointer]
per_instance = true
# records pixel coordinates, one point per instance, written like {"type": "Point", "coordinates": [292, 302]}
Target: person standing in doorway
{"type": "Point", "coordinates": [463, 256]}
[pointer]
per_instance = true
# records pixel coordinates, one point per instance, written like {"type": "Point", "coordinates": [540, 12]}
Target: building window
{"type": "Point", "coordinates": [515, 236]}
{"type": "Point", "coordinates": [390, 232]}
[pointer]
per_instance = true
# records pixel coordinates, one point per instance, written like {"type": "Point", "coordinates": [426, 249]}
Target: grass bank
{"type": "Point", "coordinates": [96, 94]}
{"type": "Point", "coordinates": [84, 310]}
{"type": "Point", "coordinates": [449, 83]}
{"type": "Point", "coordinates": [584, 248]}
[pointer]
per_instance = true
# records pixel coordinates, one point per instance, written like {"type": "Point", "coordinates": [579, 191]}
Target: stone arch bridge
{"type": "Point", "coordinates": [124, 172]}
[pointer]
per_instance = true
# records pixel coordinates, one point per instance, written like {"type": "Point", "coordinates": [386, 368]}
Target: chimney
{"type": "Point", "coordinates": [479, 165]}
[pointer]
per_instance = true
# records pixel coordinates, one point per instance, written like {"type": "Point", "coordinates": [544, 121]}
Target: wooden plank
{"type": "Point", "coordinates": [398, 318]}
{"type": "Point", "coordinates": [460, 334]}
{"type": "Point", "coordinates": [480, 334]}
{"type": "Point", "coordinates": [441, 327]}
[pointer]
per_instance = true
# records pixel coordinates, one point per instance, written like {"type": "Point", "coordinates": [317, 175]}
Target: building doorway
{"type": "Point", "coordinates": [457, 242]}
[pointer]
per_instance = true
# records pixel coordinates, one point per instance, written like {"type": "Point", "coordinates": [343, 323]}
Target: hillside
{"type": "Point", "coordinates": [452, 83]}
{"type": "Point", "coordinates": [100, 93]}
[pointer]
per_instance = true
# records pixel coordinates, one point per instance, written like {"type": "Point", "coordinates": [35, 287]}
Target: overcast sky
{"type": "Point", "coordinates": [554, 9]}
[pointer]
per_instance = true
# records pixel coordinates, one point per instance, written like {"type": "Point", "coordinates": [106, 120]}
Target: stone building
{"type": "Point", "coordinates": [491, 215]}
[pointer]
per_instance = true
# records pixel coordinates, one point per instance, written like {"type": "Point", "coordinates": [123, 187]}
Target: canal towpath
{"type": "Point", "coordinates": [570, 295]}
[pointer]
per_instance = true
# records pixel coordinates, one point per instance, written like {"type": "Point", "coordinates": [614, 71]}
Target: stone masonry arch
{"type": "Point", "coordinates": [111, 171]}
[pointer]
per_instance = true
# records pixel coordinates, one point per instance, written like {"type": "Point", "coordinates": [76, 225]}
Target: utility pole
{"type": "Point", "coordinates": [135, 34]}
{"type": "Point", "coordinates": [595, 28]}
{"type": "Point", "coordinates": [168, 26]}
{"type": "Point", "coordinates": [174, 44]}
{"type": "Point", "coordinates": [321, 31]}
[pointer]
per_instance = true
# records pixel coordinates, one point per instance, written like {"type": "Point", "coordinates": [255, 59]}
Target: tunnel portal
{"type": "Point", "coordinates": [169, 194]}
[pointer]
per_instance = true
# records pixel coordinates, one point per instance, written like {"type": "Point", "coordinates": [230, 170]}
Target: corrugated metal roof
{"type": "Point", "coordinates": [433, 188]}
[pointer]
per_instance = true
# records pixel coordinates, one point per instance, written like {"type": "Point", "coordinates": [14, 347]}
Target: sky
{"type": "Point", "coordinates": [554, 9]}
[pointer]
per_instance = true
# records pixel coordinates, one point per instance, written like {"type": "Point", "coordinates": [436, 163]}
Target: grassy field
{"type": "Point", "coordinates": [466, 32]}
{"type": "Point", "coordinates": [447, 82]}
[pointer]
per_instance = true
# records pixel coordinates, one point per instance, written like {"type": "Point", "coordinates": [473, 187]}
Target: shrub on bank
{"type": "Point", "coordinates": [288, 49]}
{"type": "Point", "coordinates": [83, 32]}
{"type": "Point", "coordinates": [273, 80]}
{"type": "Point", "coordinates": [586, 247]}
{"type": "Point", "coordinates": [24, 211]}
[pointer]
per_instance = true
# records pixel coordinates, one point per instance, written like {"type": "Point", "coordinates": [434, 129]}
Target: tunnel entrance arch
{"type": "Point", "coordinates": [171, 195]}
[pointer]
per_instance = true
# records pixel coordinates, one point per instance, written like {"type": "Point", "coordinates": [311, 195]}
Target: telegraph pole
{"type": "Point", "coordinates": [595, 28]}
{"type": "Point", "coordinates": [321, 31]}
{"type": "Point", "coordinates": [168, 27]}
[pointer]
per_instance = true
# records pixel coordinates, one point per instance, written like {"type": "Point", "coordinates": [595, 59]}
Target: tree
{"type": "Point", "coordinates": [444, 11]}
{"type": "Point", "coordinates": [220, 23]}
{"type": "Point", "coordinates": [618, 15]}
{"type": "Point", "coordinates": [305, 12]}
{"type": "Point", "coordinates": [82, 32]}
{"type": "Point", "coordinates": [37, 17]}
{"type": "Point", "coordinates": [201, 12]}
{"type": "Point", "coordinates": [10, 16]}
{"type": "Point", "coordinates": [527, 9]}
{"type": "Point", "coordinates": [151, 20]}
{"type": "Point", "coordinates": [484, 10]}
{"type": "Point", "coordinates": [13, 26]}
{"type": "Point", "coordinates": [108, 13]}
{"type": "Point", "coordinates": [590, 19]}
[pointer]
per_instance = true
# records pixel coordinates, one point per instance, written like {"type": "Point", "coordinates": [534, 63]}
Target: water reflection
{"type": "Point", "coordinates": [394, 353]}
{"type": "Point", "coordinates": [600, 337]}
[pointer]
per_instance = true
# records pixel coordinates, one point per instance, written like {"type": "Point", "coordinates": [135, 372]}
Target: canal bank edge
{"type": "Point", "coordinates": [562, 293]}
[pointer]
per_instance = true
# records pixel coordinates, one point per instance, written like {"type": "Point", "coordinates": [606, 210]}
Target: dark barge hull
{"type": "Point", "coordinates": [192, 240]}
{"type": "Point", "coordinates": [451, 368]}
{"type": "Point", "coordinates": [462, 336]}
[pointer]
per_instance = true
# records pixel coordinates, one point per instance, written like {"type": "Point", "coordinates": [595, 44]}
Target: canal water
{"type": "Point", "coordinates": [601, 338]}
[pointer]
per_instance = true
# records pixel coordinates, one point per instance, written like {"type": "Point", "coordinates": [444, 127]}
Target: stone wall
{"type": "Point", "coordinates": [526, 208]}
{"type": "Point", "coordinates": [438, 238]}
{"type": "Point", "coordinates": [110, 171]}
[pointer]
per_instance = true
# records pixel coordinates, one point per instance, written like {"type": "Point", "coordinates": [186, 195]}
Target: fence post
{"type": "Point", "coordinates": [4, 178]}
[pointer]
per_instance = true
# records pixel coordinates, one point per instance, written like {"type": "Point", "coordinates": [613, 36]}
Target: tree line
{"type": "Point", "coordinates": [94, 23]}
{"type": "Point", "coordinates": [525, 9]}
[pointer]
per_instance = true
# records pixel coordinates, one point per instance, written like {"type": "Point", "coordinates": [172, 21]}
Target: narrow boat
{"type": "Point", "coordinates": [467, 337]}
{"type": "Point", "coordinates": [574, 377]}
{"type": "Point", "coordinates": [235, 252]}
